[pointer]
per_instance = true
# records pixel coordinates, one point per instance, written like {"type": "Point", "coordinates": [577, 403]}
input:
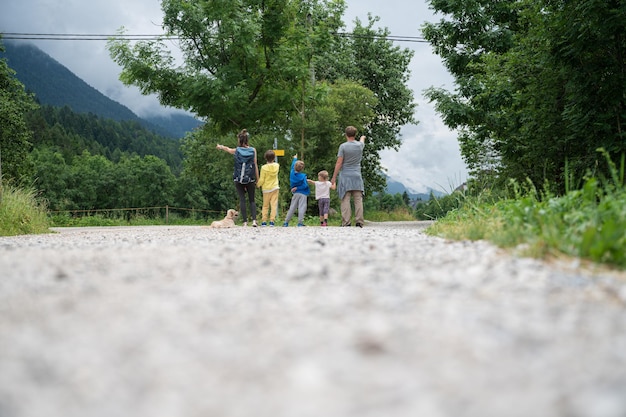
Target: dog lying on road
{"type": "Point", "coordinates": [228, 221]}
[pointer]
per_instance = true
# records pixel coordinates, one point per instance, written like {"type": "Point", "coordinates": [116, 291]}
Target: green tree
{"type": "Point", "coordinates": [143, 182]}
{"type": "Point", "coordinates": [51, 177]}
{"type": "Point", "coordinates": [344, 100]}
{"type": "Point", "coordinates": [274, 67]}
{"type": "Point", "coordinates": [539, 84]}
{"type": "Point", "coordinates": [470, 31]}
{"type": "Point", "coordinates": [15, 137]}
{"type": "Point", "coordinates": [189, 192]}
{"type": "Point", "coordinates": [405, 198]}
{"type": "Point", "coordinates": [368, 57]}
{"type": "Point", "coordinates": [91, 184]}
{"type": "Point", "coordinates": [72, 133]}
{"type": "Point", "coordinates": [587, 42]}
{"type": "Point", "coordinates": [243, 59]}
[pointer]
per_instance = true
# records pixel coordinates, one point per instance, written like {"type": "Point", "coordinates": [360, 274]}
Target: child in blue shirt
{"type": "Point", "coordinates": [300, 189]}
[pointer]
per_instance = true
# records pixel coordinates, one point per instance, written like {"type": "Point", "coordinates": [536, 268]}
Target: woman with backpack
{"type": "Point", "coordinates": [245, 174]}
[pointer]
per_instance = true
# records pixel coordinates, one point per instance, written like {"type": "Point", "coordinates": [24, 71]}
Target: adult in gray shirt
{"type": "Point", "coordinates": [350, 181]}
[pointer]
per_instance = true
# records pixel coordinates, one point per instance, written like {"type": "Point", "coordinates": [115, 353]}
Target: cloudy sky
{"type": "Point", "coordinates": [429, 156]}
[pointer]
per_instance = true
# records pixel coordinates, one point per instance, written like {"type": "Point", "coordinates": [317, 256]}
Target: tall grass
{"type": "Point", "coordinates": [125, 219]}
{"type": "Point", "coordinates": [21, 212]}
{"type": "Point", "coordinates": [397, 214]}
{"type": "Point", "coordinates": [589, 222]}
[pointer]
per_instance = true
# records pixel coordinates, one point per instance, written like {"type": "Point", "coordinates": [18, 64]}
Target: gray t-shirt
{"type": "Point", "coordinates": [350, 175]}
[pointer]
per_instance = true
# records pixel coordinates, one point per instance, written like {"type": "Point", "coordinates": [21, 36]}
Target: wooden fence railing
{"type": "Point", "coordinates": [138, 211]}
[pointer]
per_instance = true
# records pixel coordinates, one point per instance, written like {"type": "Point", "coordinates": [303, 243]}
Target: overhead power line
{"type": "Point", "coordinates": [154, 37]}
{"type": "Point", "coordinates": [393, 38]}
{"type": "Point", "coordinates": [78, 36]}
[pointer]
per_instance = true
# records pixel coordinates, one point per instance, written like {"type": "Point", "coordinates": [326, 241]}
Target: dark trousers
{"type": "Point", "coordinates": [242, 190]}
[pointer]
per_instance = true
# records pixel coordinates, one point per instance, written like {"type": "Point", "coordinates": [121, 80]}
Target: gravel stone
{"type": "Point", "coordinates": [166, 321]}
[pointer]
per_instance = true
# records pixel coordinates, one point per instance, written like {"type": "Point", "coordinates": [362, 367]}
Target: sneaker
{"type": "Point", "coordinates": [300, 224]}
{"type": "Point", "coordinates": [263, 224]}
{"type": "Point", "coordinates": [346, 225]}
{"type": "Point", "coordinates": [271, 224]}
{"type": "Point", "coordinates": [324, 224]}
{"type": "Point", "coordinates": [254, 223]}
{"type": "Point", "coordinates": [245, 224]}
{"type": "Point", "coordinates": [359, 225]}
{"type": "Point", "coordinates": [285, 224]}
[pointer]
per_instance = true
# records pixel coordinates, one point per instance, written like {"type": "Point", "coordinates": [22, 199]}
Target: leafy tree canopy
{"type": "Point", "coordinates": [275, 67]}
{"type": "Point", "coordinates": [242, 58]}
{"type": "Point", "coordinates": [15, 137]}
{"type": "Point", "coordinates": [540, 85]}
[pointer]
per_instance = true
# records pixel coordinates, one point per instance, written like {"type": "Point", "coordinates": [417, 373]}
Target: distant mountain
{"type": "Point", "coordinates": [54, 84]}
{"type": "Point", "coordinates": [177, 124]}
{"type": "Point", "coordinates": [396, 187]}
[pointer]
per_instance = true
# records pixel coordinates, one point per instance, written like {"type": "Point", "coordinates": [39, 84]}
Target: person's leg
{"type": "Point", "coordinates": [302, 202]}
{"type": "Point", "coordinates": [243, 214]}
{"type": "Point", "coordinates": [251, 188]}
{"type": "Point", "coordinates": [273, 197]}
{"type": "Point", "coordinates": [325, 210]}
{"type": "Point", "coordinates": [266, 206]}
{"type": "Point", "coordinates": [346, 211]}
{"type": "Point", "coordinates": [320, 207]}
{"type": "Point", "coordinates": [357, 196]}
{"type": "Point", "coordinates": [292, 208]}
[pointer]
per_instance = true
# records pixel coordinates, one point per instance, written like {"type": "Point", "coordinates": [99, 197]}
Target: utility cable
{"type": "Point", "coordinates": [154, 37]}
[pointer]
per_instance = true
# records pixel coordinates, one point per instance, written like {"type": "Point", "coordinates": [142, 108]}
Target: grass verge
{"type": "Point", "coordinates": [589, 223]}
{"type": "Point", "coordinates": [21, 212]}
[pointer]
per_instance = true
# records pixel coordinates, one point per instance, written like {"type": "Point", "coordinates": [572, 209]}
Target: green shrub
{"type": "Point", "coordinates": [398, 214]}
{"type": "Point", "coordinates": [436, 208]}
{"type": "Point", "coordinates": [21, 212]}
{"type": "Point", "coordinates": [589, 223]}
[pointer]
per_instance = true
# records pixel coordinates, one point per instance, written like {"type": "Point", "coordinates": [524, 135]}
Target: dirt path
{"type": "Point", "coordinates": [301, 322]}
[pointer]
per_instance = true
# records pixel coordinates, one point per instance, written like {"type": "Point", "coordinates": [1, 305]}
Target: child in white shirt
{"type": "Point", "coordinates": [322, 195]}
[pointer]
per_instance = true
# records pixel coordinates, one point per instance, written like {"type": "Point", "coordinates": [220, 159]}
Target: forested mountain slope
{"type": "Point", "coordinates": [55, 85]}
{"type": "Point", "coordinates": [72, 133]}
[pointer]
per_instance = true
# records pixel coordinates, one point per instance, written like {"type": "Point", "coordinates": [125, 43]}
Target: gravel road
{"type": "Point", "coordinates": [302, 322]}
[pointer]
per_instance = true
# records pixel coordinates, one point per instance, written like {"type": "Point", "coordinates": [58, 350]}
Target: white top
{"type": "Point", "coordinates": [322, 189]}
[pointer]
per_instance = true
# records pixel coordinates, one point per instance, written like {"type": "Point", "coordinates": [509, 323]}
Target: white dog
{"type": "Point", "coordinates": [229, 220]}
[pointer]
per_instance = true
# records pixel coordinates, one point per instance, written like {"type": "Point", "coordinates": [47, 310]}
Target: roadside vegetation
{"type": "Point", "coordinates": [538, 88]}
{"type": "Point", "coordinates": [588, 222]}
{"type": "Point", "coordinates": [378, 207]}
{"type": "Point", "coordinates": [21, 212]}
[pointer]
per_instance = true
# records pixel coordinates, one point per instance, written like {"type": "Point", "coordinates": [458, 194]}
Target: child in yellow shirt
{"type": "Point", "coordinates": [268, 182]}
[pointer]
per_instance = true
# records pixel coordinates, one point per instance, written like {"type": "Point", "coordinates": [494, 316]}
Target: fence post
{"type": "Point", "coordinates": [167, 214]}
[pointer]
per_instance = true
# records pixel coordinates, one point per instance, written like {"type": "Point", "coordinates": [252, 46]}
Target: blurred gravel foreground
{"type": "Point", "coordinates": [302, 322]}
